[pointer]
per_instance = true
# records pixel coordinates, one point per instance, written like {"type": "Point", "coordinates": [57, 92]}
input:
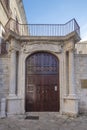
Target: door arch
{"type": "Point", "coordinates": [42, 82]}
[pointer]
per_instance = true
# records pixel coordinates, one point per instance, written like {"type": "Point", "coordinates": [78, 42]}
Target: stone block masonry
{"type": "Point", "coordinates": [81, 75]}
{"type": "Point", "coordinates": [4, 77]}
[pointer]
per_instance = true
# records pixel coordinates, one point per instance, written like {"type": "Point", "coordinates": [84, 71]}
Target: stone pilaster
{"type": "Point", "coordinates": [66, 75]}
{"type": "Point", "coordinates": [12, 87]}
{"type": "Point", "coordinates": [71, 74]}
{"type": "Point", "coordinates": [71, 99]}
{"type": "Point", "coordinates": [14, 102]}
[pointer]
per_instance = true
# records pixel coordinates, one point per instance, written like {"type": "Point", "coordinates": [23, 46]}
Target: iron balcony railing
{"type": "Point", "coordinates": [43, 29]}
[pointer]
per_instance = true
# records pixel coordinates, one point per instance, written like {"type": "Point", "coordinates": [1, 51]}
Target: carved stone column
{"type": "Point", "coordinates": [71, 99]}
{"type": "Point", "coordinates": [71, 73]}
{"type": "Point", "coordinates": [14, 102]}
{"type": "Point", "coordinates": [12, 87]}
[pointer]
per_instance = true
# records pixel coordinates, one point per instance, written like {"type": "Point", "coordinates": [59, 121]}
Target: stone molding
{"type": "Point", "coordinates": [41, 47]}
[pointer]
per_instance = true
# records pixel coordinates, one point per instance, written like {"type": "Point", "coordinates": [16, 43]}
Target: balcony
{"type": "Point", "coordinates": [43, 29]}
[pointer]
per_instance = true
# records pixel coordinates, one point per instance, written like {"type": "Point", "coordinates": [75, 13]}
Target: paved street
{"type": "Point", "coordinates": [44, 121]}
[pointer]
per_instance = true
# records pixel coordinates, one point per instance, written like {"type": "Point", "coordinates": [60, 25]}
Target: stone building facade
{"type": "Point", "coordinates": [8, 9]}
{"type": "Point", "coordinates": [81, 47]}
{"type": "Point", "coordinates": [39, 69]}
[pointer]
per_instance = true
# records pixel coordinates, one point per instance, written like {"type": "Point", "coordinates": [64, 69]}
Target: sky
{"type": "Point", "coordinates": [57, 12]}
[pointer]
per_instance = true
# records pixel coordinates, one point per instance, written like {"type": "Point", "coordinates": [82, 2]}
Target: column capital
{"type": "Point", "coordinates": [13, 49]}
{"type": "Point", "coordinates": [69, 45]}
{"type": "Point", "coordinates": [72, 50]}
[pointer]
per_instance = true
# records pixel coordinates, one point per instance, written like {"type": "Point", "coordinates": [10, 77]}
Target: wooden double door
{"type": "Point", "coordinates": [42, 82]}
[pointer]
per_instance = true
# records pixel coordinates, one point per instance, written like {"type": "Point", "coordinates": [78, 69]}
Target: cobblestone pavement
{"type": "Point", "coordinates": [46, 121]}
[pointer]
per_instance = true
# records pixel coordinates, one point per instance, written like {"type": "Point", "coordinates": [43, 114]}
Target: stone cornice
{"type": "Point", "coordinates": [10, 34]}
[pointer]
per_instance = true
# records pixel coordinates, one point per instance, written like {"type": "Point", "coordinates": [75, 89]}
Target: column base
{"type": "Point", "coordinates": [71, 105]}
{"type": "Point", "coordinates": [14, 106]}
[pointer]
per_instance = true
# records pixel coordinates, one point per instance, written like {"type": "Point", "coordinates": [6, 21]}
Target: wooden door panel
{"type": "Point", "coordinates": [42, 86]}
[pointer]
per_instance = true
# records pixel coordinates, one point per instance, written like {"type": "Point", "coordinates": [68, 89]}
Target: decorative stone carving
{"type": "Point", "coordinates": [69, 46]}
{"type": "Point", "coordinates": [37, 47]}
{"type": "Point", "coordinates": [15, 45]}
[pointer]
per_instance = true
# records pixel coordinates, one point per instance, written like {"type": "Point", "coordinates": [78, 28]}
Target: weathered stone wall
{"type": "Point", "coordinates": [17, 10]}
{"type": "Point", "coordinates": [81, 74]}
{"type": "Point", "coordinates": [81, 47]}
{"type": "Point", "coordinates": [3, 16]}
{"type": "Point", "coordinates": [4, 76]}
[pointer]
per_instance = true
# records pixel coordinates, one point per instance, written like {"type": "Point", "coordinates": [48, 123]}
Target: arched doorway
{"type": "Point", "coordinates": [42, 82]}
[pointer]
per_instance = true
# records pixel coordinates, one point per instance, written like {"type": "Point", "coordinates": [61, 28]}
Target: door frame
{"type": "Point", "coordinates": [51, 53]}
